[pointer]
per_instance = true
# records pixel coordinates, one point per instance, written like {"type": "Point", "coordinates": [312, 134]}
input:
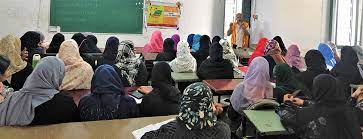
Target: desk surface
{"type": "Point", "coordinates": [266, 122]}
{"type": "Point", "coordinates": [111, 129]}
{"type": "Point", "coordinates": [221, 86]}
{"type": "Point", "coordinates": [184, 77]}
{"type": "Point", "coordinates": [150, 56]}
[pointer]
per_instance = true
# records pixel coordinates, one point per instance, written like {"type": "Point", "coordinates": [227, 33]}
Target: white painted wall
{"type": "Point", "coordinates": [198, 16]}
{"type": "Point", "coordinates": [297, 21]}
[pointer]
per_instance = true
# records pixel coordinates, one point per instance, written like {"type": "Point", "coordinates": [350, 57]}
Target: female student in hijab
{"type": "Point", "coordinates": [168, 53]}
{"type": "Point", "coordinates": [255, 86]}
{"type": "Point", "coordinates": [130, 68]}
{"type": "Point", "coordinates": [176, 39]}
{"type": "Point", "coordinates": [190, 40]}
{"type": "Point", "coordinates": [294, 59]}
{"type": "Point", "coordinates": [107, 100]}
{"type": "Point", "coordinates": [55, 43]}
{"type": "Point", "coordinates": [196, 118]}
{"type": "Point", "coordinates": [39, 101]}
{"type": "Point", "coordinates": [281, 44]}
{"type": "Point", "coordinates": [92, 38]}
{"type": "Point", "coordinates": [19, 70]}
{"type": "Point", "coordinates": [203, 52]}
{"type": "Point", "coordinates": [196, 42]}
{"type": "Point", "coordinates": [89, 45]}
{"type": "Point", "coordinates": [315, 65]}
{"type": "Point", "coordinates": [155, 44]}
{"type": "Point", "coordinates": [328, 55]}
{"type": "Point", "coordinates": [164, 99]}
{"type": "Point", "coordinates": [259, 51]}
{"type": "Point", "coordinates": [4, 90]}
{"type": "Point", "coordinates": [79, 73]}
{"type": "Point", "coordinates": [78, 37]}
{"type": "Point", "coordinates": [216, 39]}
{"type": "Point", "coordinates": [286, 82]}
{"type": "Point", "coordinates": [32, 42]}
{"type": "Point", "coordinates": [184, 61]}
{"type": "Point", "coordinates": [328, 117]}
{"type": "Point", "coordinates": [215, 67]}
{"type": "Point", "coordinates": [228, 53]}
{"type": "Point", "coordinates": [110, 52]}
{"type": "Point", "coordinates": [347, 69]}
{"type": "Point", "coordinates": [273, 55]}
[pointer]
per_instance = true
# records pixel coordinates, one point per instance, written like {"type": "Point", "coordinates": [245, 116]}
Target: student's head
{"type": "Point", "coordinates": [326, 90]}
{"type": "Point", "coordinates": [92, 38]}
{"type": "Point", "coordinates": [281, 45]}
{"type": "Point", "coordinates": [205, 42]}
{"type": "Point", "coordinates": [55, 43]}
{"type": "Point", "coordinates": [314, 60]}
{"type": "Point", "coordinates": [216, 39]}
{"type": "Point", "coordinates": [282, 73]}
{"type": "Point", "coordinates": [349, 55]}
{"type": "Point", "coordinates": [168, 45]}
{"type": "Point", "coordinates": [111, 48]}
{"type": "Point", "coordinates": [106, 81]}
{"type": "Point", "coordinates": [272, 48]}
{"type": "Point", "coordinates": [161, 73]}
{"type": "Point", "coordinates": [216, 52]}
{"type": "Point", "coordinates": [176, 39]}
{"type": "Point", "coordinates": [42, 40]}
{"type": "Point", "coordinates": [69, 52]}
{"type": "Point", "coordinates": [30, 40]}
{"type": "Point", "coordinates": [4, 65]}
{"type": "Point", "coordinates": [196, 108]}
{"type": "Point", "coordinates": [78, 37]}
{"type": "Point", "coordinates": [190, 40]}
{"type": "Point", "coordinates": [239, 17]}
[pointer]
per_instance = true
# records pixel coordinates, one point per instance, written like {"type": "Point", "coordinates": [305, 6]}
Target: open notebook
{"type": "Point", "coordinates": [140, 132]}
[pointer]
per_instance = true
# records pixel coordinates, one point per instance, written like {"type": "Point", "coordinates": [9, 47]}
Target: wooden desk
{"type": "Point", "coordinates": [267, 122]}
{"type": "Point", "coordinates": [111, 129]}
{"type": "Point", "coordinates": [149, 56]}
{"type": "Point", "coordinates": [138, 50]}
{"type": "Point", "coordinates": [222, 86]}
{"type": "Point", "coordinates": [184, 77]}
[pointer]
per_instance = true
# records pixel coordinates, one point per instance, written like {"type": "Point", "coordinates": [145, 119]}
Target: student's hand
{"type": "Point", "coordinates": [24, 54]}
{"type": "Point", "coordinates": [217, 108]}
{"type": "Point", "coordinates": [358, 94]}
{"type": "Point", "coordinates": [297, 101]}
{"type": "Point", "coordinates": [287, 97]}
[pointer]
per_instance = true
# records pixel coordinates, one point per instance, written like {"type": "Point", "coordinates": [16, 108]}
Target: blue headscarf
{"type": "Point", "coordinates": [328, 55]}
{"type": "Point", "coordinates": [107, 99]}
{"type": "Point", "coordinates": [190, 40]}
{"type": "Point", "coordinates": [196, 42]}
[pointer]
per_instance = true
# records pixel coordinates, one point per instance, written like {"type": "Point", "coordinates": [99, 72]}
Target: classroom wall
{"type": "Point", "coordinates": [198, 16]}
{"type": "Point", "coordinates": [297, 21]}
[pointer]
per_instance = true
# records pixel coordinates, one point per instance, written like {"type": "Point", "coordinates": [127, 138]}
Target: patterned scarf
{"type": "Point", "coordinates": [228, 53]}
{"type": "Point", "coordinates": [10, 50]}
{"type": "Point", "coordinates": [273, 49]}
{"type": "Point", "coordinates": [184, 62]}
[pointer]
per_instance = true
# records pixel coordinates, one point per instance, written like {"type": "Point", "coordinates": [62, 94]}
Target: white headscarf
{"type": "Point", "coordinates": [228, 53]}
{"type": "Point", "coordinates": [255, 86]}
{"type": "Point", "coordinates": [41, 86]}
{"type": "Point", "coordinates": [184, 61]}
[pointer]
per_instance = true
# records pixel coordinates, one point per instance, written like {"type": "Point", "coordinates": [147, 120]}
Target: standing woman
{"type": "Point", "coordinates": [196, 119]}
{"type": "Point", "coordinates": [328, 55]}
{"type": "Point", "coordinates": [164, 99]}
{"type": "Point", "coordinates": [273, 55]}
{"type": "Point", "coordinates": [155, 44]}
{"type": "Point", "coordinates": [240, 32]}
{"type": "Point", "coordinates": [184, 61]}
{"type": "Point", "coordinates": [168, 53]}
{"type": "Point", "coordinates": [259, 51]}
{"type": "Point", "coordinates": [130, 68]}
{"type": "Point", "coordinates": [110, 52]}
{"type": "Point", "coordinates": [39, 101]}
{"type": "Point", "coordinates": [294, 59]}
{"type": "Point", "coordinates": [107, 100]}
{"type": "Point", "coordinates": [196, 42]}
{"type": "Point", "coordinates": [55, 43]}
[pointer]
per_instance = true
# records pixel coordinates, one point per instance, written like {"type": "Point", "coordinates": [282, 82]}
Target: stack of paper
{"type": "Point", "coordinates": [140, 132]}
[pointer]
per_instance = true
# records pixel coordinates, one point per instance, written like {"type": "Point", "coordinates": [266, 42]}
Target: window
{"type": "Point", "coordinates": [347, 22]}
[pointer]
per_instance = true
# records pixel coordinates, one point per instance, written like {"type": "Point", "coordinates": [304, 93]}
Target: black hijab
{"type": "Point", "coordinates": [4, 64]}
{"type": "Point", "coordinates": [110, 52]}
{"type": "Point", "coordinates": [281, 44]}
{"type": "Point", "coordinates": [332, 117]}
{"type": "Point", "coordinates": [161, 80]}
{"type": "Point", "coordinates": [30, 41]}
{"type": "Point", "coordinates": [93, 38]}
{"type": "Point", "coordinates": [216, 39]}
{"type": "Point", "coordinates": [78, 37]}
{"type": "Point", "coordinates": [315, 64]}
{"type": "Point", "coordinates": [203, 51]}
{"type": "Point", "coordinates": [55, 43]}
{"type": "Point", "coordinates": [89, 46]}
{"type": "Point", "coordinates": [216, 67]}
{"type": "Point", "coordinates": [168, 53]}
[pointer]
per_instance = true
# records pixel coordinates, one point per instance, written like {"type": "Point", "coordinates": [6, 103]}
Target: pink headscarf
{"type": "Point", "coordinates": [293, 57]}
{"type": "Point", "coordinates": [155, 44]}
{"type": "Point", "coordinates": [254, 87]}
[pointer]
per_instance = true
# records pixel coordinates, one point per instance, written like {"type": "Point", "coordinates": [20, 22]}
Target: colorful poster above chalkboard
{"type": "Point", "coordinates": [163, 15]}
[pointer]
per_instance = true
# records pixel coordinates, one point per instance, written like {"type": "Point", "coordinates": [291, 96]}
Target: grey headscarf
{"type": "Point", "coordinates": [40, 87]}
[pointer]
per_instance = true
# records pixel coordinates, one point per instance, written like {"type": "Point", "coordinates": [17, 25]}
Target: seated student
{"type": "Point", "coordinates": [196, 42]}
{"type": "Point", "coordinates": [168, 53]}
{"type": "Point", "coordinates": [273, 55]}
{"type": "Point", "coordinates": [107, 100]}
{"type": "Point", "coordinates": [55, 43]}
{"type": "Point", "coordinates": [39, 101]}
{"type": "Point", "coordinates": [259, 51]}
{"type": "Point", "coordinates": [184, 61]}
{"type": "Point", "coordinates": [131, 69]}
{"type": "Point", "coordinates": [203, 52]}
{"type": "Point", "coordinates": [228, 53]}
{"type": "Point", "coordinates": [110, 52]}
{"type": "Point", "coordinates": [328, 55]}
{"type": "Point", "coordinates": [281, 44]}
{"type": "Point", "coordinates": [315, 65]}
{"type": "Point", "coordinates": [4, 66]}
{"type": "Point", "coordinates": [197, 118]}
{"type": "Point", "coordinates": [79, 37]}
{"type": "Point", "coordinates": [89, 45]}
{"type": "Point", "coordinates": [19, 69]}
{"type": "Point", "coordinates": [347, 70]}
{"type": "Point", "coordinates": [216, 39]}
{"type": "Point", "coordinates": [286, 82]}
{"type": "Point", "coordinates": [326, 116]}
{"type": "Point", "coordinates": [79, 73]}
{"type": "Point", "coordinates": [155, 44]}
{"type": "Point", "coordinates": [255, 86]}
{"type": "Point", "coordinates": [190, 40]}
{"type": "Point", "coordinates": [34, 43]}
{"type": "Point", "coordinates": [294, 59]}
{"type": "Point", "coordinates": [94, 40]}
{"type": "Point", "coordinates": [164, 99]}
{"type": "Point", "coordinates": [176, 39]}
{"type": "Point", "coordinates": [215, 67]}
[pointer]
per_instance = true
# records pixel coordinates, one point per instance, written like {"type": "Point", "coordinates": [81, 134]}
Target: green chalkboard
{"type": "Point", "coordinates": [99, 16]}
